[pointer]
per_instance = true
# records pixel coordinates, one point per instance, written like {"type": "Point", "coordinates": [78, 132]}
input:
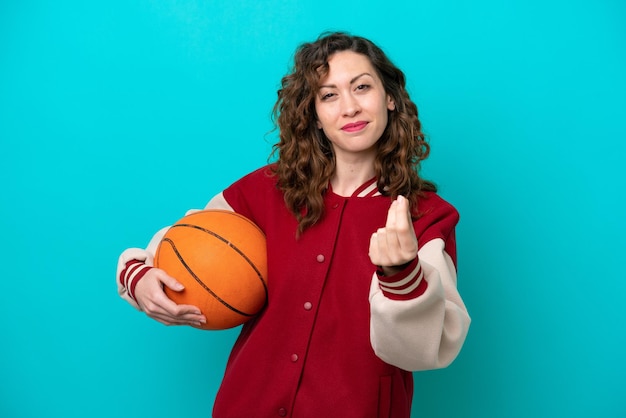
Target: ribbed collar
{"type": "Point", "coordinates": [367, 189]}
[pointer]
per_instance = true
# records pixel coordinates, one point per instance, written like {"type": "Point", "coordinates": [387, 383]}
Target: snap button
{"type": "Point", "coordinates": [282, 412]}
{"type": "Point", "coordinates": [320, 258]}
{"type": "Point", "coordinates": [308, 306]}
{"type": "Point", "coordinates": [336, 205]}
{"type": "Point", "coordinates": [294, 358]}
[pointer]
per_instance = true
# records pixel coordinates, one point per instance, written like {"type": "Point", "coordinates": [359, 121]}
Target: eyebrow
{"type": "Point", "coordinates": [351, 81]}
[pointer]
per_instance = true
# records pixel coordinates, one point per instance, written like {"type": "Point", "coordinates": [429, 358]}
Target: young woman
{"type": "Point", "coordinates": [361, 250]}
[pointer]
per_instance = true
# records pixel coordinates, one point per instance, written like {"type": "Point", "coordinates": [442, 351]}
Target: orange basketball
{"type": "Point", "coordinates": [220, 258]}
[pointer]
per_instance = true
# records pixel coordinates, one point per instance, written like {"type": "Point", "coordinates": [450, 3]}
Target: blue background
{"type": "Point", "coordinates": [117, 116]}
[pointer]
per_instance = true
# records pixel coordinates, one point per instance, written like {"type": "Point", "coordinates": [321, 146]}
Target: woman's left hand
{"type": "Point", "coordinates": [396, 244]}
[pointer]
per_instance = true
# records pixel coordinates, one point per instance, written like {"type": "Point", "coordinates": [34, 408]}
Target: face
{"type": "Point", "coordinates": [352, 105]}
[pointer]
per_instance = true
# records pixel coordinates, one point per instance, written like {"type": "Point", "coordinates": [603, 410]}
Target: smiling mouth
{"type": "Point", "coordinates": [354, 127]}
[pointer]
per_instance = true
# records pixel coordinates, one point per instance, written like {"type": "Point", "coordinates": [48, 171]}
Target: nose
{"type": "Point", "coordinates": [350, 105]}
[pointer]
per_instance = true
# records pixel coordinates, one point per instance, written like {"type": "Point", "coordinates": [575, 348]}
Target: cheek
{"type": "Point", "coordinates": [384, 115]}
{"type": "Point", "coordinates": [323, 119]}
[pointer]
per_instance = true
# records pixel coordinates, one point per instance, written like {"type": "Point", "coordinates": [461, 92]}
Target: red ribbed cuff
{"type": "Point", "coordinates": [407, 284]}
{"type": "Point", "coordinates": [132, 273]}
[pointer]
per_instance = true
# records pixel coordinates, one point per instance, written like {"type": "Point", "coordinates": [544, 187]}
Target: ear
{"type": "Point", "coordinates": [318, 124]}
{"type": "Point", "coordinates": [391, 105]}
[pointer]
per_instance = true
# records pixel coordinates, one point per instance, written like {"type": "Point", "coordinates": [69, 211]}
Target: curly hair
{"type": "Point", "coordinates": [306, 160]}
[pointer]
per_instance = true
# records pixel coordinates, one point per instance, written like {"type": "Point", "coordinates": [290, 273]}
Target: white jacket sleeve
{"type": "Point", "coordinates": [126, 278]}
{"type": "Point", "coordinates": [424, 332]}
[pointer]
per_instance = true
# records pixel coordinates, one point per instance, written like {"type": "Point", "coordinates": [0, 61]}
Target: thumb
{"type": "Point", "coordinates": [172, 283]}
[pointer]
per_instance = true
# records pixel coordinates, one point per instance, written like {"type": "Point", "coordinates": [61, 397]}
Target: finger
{"type": "Point", "coordinates": [170, 306]}
{"type": "Point", "coordinates": [178, 313]}
{"type": "Point", "coordinates": [387, 237]}
{"type": "Point", "coordinates": [402, 213]}
{"type": "Point", "coordinates": [392, 215]}
{"type": "Point", "coordinates": [391, 249]}
{"type": "Point", "coordinates": [160, 307]}
{"type": "Point", "coordinates": [374, 252]}
{"type": "Point", "coordinates": [153, 300]}
{"type": "Point", "coordinates": [400, 244]}
{"type": "Point", "coordinates": [171, 282]}
{"type": "Point", "coordinates": [169, 320]}
{"type": "Point", "coordinates": [394, 220]}
{"type": "Point", "coordinates": [379, 247]}
{"type": "Point", "coordinates": [404, 226]}
{"type": "Point", "coordinates": [165, 315]}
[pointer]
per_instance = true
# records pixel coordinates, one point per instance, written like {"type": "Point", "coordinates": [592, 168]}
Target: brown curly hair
{"type": "Point", "coordinates": [306, 160]}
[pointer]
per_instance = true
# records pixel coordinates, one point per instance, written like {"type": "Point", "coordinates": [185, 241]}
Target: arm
{"type": "Point", "coordinates": [418, 320]}
{"type": "Point", "coordinates": [141, 284]}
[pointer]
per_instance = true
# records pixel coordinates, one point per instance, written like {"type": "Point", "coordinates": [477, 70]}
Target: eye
{"type": "Point", "coordinates": [363, 87]}
{"type": "Point", "coordinates": [326, 96]}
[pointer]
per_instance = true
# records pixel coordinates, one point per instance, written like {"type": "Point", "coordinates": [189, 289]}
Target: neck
{"type": "Point", "coordinates": [349, 177]}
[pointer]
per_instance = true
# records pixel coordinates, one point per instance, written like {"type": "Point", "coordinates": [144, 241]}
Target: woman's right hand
{"type": "Point", "coordinates": [154, 302]}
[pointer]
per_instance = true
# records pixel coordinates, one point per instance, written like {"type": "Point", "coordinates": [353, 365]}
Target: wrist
{"type": "Point", "coordinates": [132, 273]}
{"type": "Point", "coordinates": [388, 271]}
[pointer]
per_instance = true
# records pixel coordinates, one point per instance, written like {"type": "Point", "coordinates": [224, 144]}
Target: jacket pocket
{"type": "Point", "coordinates": [384, 397]}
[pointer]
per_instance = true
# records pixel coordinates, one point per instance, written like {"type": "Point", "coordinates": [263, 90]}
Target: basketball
{"type": "Point", "coordinates": [220, 258]}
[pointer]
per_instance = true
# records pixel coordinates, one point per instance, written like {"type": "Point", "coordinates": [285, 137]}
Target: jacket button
{"type": "Point", "coordinates": [320, 258]}
{"type": "Point", "coordinates": [282, 412]}
{"type": "Point", "coordinates": [294, 358]}
{"type": "Point", "coordinates": [336, 205]}
{"type": "Point", "coordinates": [308, 306]}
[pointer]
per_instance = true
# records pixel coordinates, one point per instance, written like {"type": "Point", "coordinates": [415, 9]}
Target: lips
{"type": "Point", "coordinates": [354, 127]}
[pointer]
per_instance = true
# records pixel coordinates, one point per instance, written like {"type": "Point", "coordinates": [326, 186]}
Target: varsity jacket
{"type": "Point", "coordinates": [337, 338]}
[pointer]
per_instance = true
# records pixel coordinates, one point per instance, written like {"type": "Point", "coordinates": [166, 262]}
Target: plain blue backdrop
{"type": "Point", "coordinates": [118, 116]}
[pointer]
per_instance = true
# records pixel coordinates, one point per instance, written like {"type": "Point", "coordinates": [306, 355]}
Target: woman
{"type": "Point", "coordinates": [361, 250]}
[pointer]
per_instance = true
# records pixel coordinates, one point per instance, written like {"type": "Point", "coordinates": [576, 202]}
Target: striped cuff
{"type": "Point", "coordinates": [405, 285]}
{"type": "Point", "coordinates": [132, 273]}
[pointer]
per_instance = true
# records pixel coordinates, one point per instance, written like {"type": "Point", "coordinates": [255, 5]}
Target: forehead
{"type": "Point", "coordinates": [344, 65]}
